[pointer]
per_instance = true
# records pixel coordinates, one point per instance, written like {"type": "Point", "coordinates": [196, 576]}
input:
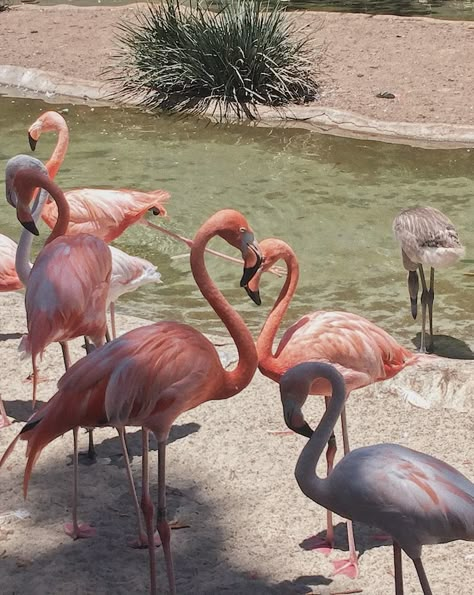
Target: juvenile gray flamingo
{"type": "Point", "coordinates": [426, 237]}
{"type": "Point", "coordinates": [416, 498]}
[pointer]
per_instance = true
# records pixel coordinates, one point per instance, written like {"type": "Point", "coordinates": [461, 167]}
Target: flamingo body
{"type": "Point", "coordinates": [427, 237]}
{"type": "Point", "coordinates": [361, 351]}
{"type": "Point", "coordinates": [9, 280]}
{"type": "Point", "coordinates": [414, 497]}
{"type": "Point", "coordinates": [105, 213]}
{"type": "Point", "coordinates": [67, 292]}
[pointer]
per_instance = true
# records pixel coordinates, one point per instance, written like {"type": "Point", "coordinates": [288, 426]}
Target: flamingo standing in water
{"type": "Point", "coordinates": [417, 499]}
{"type": "Point", "coordinates": [150, 375]}
{"type": "Point", "coordinates": [361, 351]}
{"type": "Point", "coordinates": [426, 237]}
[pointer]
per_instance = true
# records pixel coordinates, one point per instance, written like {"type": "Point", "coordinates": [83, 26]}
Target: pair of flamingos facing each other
{"type": "Point", "coordinates": [145, 363]}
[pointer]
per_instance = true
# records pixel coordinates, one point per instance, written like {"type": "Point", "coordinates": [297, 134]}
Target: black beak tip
{"type": "Point", "coordinates": [253, 295]}
{"type": "Point", "coordinates": [32, 142]}
{"type": "Point", "coordinates": [304, 430]}
{"type": "Point", "coordinates": [31, 227]}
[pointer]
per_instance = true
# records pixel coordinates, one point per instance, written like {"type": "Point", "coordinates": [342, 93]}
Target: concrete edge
{"type": "Point", "coordinates": [52, 87]}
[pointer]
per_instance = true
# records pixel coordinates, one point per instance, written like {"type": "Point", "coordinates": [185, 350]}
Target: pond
{"type": "Point", "coordinates": [443, 9]}
{"type": "Point", "coordinates": [332, 199]}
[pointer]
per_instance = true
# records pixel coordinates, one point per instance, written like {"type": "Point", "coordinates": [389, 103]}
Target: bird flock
{"type": "Point", "coordinates": [150, 375]}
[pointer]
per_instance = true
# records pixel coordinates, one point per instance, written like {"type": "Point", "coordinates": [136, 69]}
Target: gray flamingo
{"type": "Point", "coordinates": [426, 237]}
{"type": "Point", "coordinates": [414, 497]}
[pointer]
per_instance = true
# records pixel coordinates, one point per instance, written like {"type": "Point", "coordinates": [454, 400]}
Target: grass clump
{"type": "Point", "coordinates": [4, 5]}
{"type": "Point", "coordinates": [191, 59]}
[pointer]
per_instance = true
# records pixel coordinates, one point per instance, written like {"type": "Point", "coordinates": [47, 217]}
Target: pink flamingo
{"type": "Point", "coordinates": [101, 212]}
{"type": "Point", "coordinates": [417, 499]}
{"type": "Point", "coordinates": [150, 375]}
{"type": "Point", "coordinates": [361, 351]}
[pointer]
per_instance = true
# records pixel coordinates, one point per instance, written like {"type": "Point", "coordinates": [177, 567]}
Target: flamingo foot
{"type": "Point", "coordinates": [314, 542]}
{"type": "Point", "coordinates": [142, 541]}
{"type": "Point", "coordinates": [4, 422]}
{"type": "Point", "coordinates": [82, 531]}
{"type": "Point", "coordinates": [349, 568]}
{"type": "Point", "coordinates": [87, 458]}
{"type": "Point", "coordinates": [31, 376]}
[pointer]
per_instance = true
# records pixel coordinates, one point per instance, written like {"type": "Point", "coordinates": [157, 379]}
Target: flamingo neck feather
{"type": "Point", "coordinates": [57, 157]}
{"type": "Point", "coordinates": [270, 328]}
{"type": "Point", "coordinates": [238, 378]}
{"type": "Point", "coordinates": [305, 472]}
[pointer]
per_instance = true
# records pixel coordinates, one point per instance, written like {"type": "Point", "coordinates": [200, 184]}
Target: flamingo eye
{"type": "Point", "coordinates": [242, 230]}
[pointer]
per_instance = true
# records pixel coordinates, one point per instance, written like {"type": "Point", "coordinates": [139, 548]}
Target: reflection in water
{"type": "Point", "coordinates": [332, 199]}
{"type": "Point", "coordinates": [443, 9]}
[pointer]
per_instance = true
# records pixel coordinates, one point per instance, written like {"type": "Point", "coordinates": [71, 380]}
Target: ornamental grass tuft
{"type": "Point", "coordinates": [190, 59]}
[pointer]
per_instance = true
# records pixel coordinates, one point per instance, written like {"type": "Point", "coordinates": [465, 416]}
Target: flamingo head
{"type": "Point", "coordinates": [47, 122]}
{"type": "Point", "coordinates": [237, 232]}
{"type": "Point", "coordinates": [294, 392]}
{"type": "Point", "coordinates": [14, 165]}
{"type": "Point", "coordinates": [272, 251]}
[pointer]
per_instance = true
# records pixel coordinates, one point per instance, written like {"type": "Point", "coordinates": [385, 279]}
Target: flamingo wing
{"type": "Point", "coordinates": [105, 213]}
{"type": "Point", "coordinates": [130, 273]}
{"type": "Point", "coordinates": [362, 351]}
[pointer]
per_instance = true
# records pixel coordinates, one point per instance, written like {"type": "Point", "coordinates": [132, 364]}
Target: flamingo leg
{"type": "Point", "coordinates": [413, 286]}
{"type": "Point", "coordinates": [112, 321]}
{"type": "Point", "coordinates": [430, 308]}
{"type": "Point", "coordinates": [4, 421]}
{"type": "Point", "coordinates": [148, 510]}
{"type": "Point", "coordinates": [90, 456]}
{"type": "Point", "coordinates": [348, 567]}
{"type": "Point", "coordinates": [73, 529]}
{"type": "Point", "coordinates": [422, 577]}
{"type": "Point", "coordinates": [424, 303]}
{"type": "Point", "coordinates": [162, 522]}
{"type": "Point", "coordinates": [397, 563]}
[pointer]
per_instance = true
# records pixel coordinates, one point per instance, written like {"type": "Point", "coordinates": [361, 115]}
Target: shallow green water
{"type": "Point", "coordinates": [332, 199]}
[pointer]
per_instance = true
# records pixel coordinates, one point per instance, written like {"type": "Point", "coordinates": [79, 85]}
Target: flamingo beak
{"type": "Point", "coordinates": [31, 227]}
{"type": "Point", "coordinates": [32, 142]}
{"type": "Point", "coordinates": [252, 258]}
{"type": "Point", "coordinates": [24, 217]}
{"type": "Point", "coordinates": [254, 295]}
{"type": "Point", "coordinates": [289, 409]}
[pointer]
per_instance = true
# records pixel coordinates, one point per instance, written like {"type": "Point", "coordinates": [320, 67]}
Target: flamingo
{"type": "Point", "coordinates": [101, 212]}
{"type": "Point", "coordinates": [9, 280]}
{"type": "Point", "coordinates": [150, 375]}
{"type": "Point", "coordinates": [417, 499]}
{"type": "Point", "coordinates": [361, 351]}
{"type": "Point", "coordinates": [426, 237]}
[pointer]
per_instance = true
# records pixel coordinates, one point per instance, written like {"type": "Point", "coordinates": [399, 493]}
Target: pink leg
{"type": "Point", "coordinates": [4, 421]}
{"type": "Point", "coordinates": [422, 577]}
{"type": "Point", "coordinates": [73, 529]}
{"type": "Point", "coordinates": [142, 541]}
{"type": "Point", "coordinates": [348, 567]}
{"type": "Point", "coordinates": [397, 563]}
{"type": "Point", "coordinates": [148, 510]}
{"type": "Point", "coordinates": [162, 523]}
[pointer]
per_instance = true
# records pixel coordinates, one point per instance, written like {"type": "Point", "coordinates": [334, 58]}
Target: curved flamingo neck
{"type": "Point", "coordinates": [26, 180]}
{"type": "Point", "coordinates": [266, 338]}
{"type": "Point", "coordinates": [239, 378]}
{"type": "Point", "coordinates": [23, 253]}
{"type": "Point", "coordinates": [55, 161]}
{"type": "Point", "coordinates": [304, 375]}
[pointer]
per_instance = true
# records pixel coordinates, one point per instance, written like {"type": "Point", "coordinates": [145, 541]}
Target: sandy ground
{"type": "Point", "coordinates": [229, 477]}
{"type": "Point", "coordinates": [427, 64]}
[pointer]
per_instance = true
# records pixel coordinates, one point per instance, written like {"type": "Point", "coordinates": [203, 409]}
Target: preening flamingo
{"type": "Point", "coordinates": [150, 375]}
{"type": "Point", "coordinates": [426, 237]}
{"type": "Point", "coordinates": [417, 499]}
{"type": "Point", "coordinates": [128, 274]}
{"type": "Point", "coordinates": [361, 351]}
{"type": "Point", "coordinates": [101, 212]}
